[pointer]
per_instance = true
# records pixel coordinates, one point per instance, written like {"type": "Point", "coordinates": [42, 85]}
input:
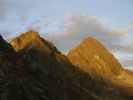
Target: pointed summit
{"type": "Point", "coordinates": [32, 34]}
{"type": "Point", "coordinates": [91, 56]}
{"type": "Point", "coordinates": [32, 40]}
{"type": "Point", "coordinates": [93, 44]}
{"type": "Point", "coordinates": [24, 40]}
{"type": "Point", "coordinates": [91, 39]}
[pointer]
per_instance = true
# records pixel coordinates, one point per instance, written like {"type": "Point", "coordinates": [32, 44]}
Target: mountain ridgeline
{"type": "Point", "coordinates": [32, 68]}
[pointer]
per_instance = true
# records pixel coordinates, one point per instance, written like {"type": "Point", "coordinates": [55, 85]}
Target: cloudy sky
{"type": "Point", "coordinates": [67, 22]}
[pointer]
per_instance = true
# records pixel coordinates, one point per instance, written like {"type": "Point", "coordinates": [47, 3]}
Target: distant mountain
{"type": "Point", "coordinates": [36, 70]}
{"type": "Point", "coordinates": [91, 56]}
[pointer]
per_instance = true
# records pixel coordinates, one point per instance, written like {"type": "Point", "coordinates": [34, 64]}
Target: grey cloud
{"type": "Point", "coordinates": [85, 26]}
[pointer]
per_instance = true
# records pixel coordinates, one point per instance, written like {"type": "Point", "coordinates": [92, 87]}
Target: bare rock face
{"type": "Point", "coordinates": [91, 56]}
{"type": "Point", "coordinates": [32, 39]}
{"type": "Point", "coordinates": [40, 72]}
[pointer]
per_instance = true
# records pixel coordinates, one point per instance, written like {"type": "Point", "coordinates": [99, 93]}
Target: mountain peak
{"type": "Point", "coordinates": [25, 40]}
{"type": "Point", "coordinates": [91, 56]}
{"type": "Point", "coordinates": [29, 35]}
{"type": "Point", "coordinates": [90, 40]}
{"type": "Point", "coordinates": [31, 40]}
{"type": "Point", "coordinates": [32, 33]}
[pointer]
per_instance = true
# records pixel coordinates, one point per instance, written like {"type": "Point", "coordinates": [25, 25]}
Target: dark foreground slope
{"type": "Point", "coordinates": [36, 70]}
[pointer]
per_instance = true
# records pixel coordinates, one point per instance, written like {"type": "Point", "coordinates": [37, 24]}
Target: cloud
{"type": "Point", "coordinates": [124, 30]}
{"type": "Point", "coordinates": [91, 24]}
{"type": "Point", "coordinates": [79, 27]}
{"type": "Point", "coordinates": [85, 25]}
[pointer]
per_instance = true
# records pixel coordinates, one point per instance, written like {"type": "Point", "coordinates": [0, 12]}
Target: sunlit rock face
{"type": "Point", "coordinates": [91, 56]}
{"type": "Point", "coordinates": [36, 70]}
{"type": "Point", "coordinates": [31, 39]}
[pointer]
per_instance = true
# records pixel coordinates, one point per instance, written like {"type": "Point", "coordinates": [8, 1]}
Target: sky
{"type": "Point", "coordinates": [67, 22]}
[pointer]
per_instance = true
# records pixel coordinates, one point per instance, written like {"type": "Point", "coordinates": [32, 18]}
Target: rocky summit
{"type": "Point", "coordinates": [32, 68]}
{"type": "Point", "coordinates": [91, 56]}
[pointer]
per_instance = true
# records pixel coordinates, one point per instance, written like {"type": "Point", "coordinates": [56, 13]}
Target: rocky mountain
{"type": "Point", "coordinates": [32, 40]}
{"type": "Point", "coordinates": [93, 57]}
{"type": "Point", "coordinates": [31, 68]}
